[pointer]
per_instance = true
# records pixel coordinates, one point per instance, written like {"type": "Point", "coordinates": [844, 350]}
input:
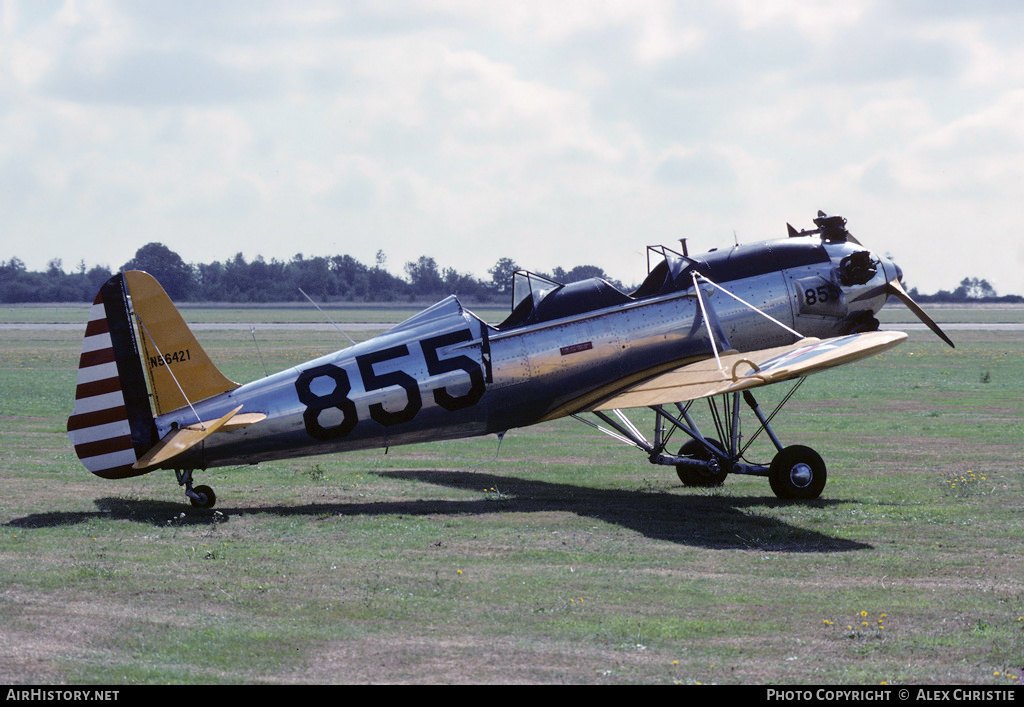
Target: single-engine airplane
{"type": "Point", "coordinates": [713, 326]}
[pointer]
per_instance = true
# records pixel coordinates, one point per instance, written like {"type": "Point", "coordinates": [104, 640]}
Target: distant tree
{"type": "Point", "coordinates": [14, 265]}
{"type": "Point", "coordinates": [209, 278]}
{"type": "Point", "coordinates": [457, 283]}
{"type": "Point", "coordinates": [960, 293]}
{"type": "Point", "coordinates": [237, 282]}
{"type": "Point", "coordinates": [973, 288]}
{"type": "Point", "coordinates": [57, 285]}
{"type": "Point", "coordinates": [16, 283]}
{"type": "Point", "coordinates": [351, 278]}
{"type": "Point", "coordinates": [265, 279]}
{"type": "Point", "coordinates": [385, 287]}
{"type": "Point", "coordinates": [94, 279]}
{"type": "Point", "coordinates": [501, 275]}
{"type": "Point", "coordinates": [313, 276]}
{"type": "Point", "coordinates": [424, 276]}
{"type": "Point", "coordinates": [584, 272]}
{"type": "Point", "coordinates": [166, 266]}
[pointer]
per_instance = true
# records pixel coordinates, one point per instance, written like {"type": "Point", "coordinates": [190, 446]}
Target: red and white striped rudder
{"type": "Point", "coordinates": [111, 425]}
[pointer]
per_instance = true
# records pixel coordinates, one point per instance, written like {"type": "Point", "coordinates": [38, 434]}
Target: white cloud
{"type": "Point", "coordinates": [819, 21]}
{"type": "Point", "coordinates": [553, 133]}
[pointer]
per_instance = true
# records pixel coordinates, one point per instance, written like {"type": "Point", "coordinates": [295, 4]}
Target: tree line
{"type": "Point", "coordinates": [337, 278]}
{"type": "Point", "coordinates": [971, 289]}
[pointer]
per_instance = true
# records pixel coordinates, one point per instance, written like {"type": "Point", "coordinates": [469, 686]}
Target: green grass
{"type": "Point", "coordinates": [567, 560]}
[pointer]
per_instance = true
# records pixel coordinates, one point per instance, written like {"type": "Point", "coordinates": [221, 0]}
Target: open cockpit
{"type": "Point", "coordinates": [537, 299]}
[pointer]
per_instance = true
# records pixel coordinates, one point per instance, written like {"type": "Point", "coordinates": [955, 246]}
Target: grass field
{"type": "Point", "coordinates": [569, 559]}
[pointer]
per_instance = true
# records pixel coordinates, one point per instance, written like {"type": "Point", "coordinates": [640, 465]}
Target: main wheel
{"type": "Point", "coordinates": [702, 477]}
{"type": "Point", "coordinates": [206, 497]}
{"type": "Point", "coordinates": [797, 472]}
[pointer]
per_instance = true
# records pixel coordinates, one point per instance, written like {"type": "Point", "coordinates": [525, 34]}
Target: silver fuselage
{"type": "Point", "coordinates": [446, 374]}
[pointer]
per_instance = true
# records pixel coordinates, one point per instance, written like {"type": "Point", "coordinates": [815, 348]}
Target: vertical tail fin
{"type": "Point", "coordinates": [134, 335]}
{"type": "Point", "coordinates": [178, 368]}
{"type": "Point", "coordinates": [112, 422]}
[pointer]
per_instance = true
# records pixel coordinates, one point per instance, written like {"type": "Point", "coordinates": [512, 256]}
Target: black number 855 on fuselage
{"type": "Point", "coordinates": [386, 372]}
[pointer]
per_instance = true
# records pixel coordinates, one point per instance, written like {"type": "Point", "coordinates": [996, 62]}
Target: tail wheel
{"type": "Point", "coordinates": [202, 497]}
{"type": "Point", "coordinates": [797, 472]}
{"type": "Point", "coordinates": [714, 476]}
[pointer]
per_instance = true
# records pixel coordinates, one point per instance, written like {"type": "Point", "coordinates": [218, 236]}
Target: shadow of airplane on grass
{"type": "Point", "coordinates": [713, 521]}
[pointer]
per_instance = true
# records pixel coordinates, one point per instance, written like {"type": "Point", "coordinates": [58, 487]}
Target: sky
{"type": "Point", "coordinates": [552, 132]}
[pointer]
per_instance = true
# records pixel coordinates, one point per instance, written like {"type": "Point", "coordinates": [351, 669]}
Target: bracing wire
{"type": "Point", "coordinates": [168, 368]}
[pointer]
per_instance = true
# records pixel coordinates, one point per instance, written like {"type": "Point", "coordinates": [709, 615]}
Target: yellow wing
{"type": "Point", "coordinates": [734, 371]}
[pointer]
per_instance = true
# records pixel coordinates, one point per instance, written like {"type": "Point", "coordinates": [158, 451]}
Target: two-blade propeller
{"type": "Point", "coordinates": [894, 288]}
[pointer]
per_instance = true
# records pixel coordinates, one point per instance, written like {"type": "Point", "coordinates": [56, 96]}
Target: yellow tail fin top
{"type": "Point", "coordinates": [179, 370]}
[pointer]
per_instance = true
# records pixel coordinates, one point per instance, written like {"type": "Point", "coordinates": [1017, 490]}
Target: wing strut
{"type": "Point", "coordinates": [627, 433]}
{"type": "Point", "coordinates": [714, 326]}
{"type": "Point", "coordinates": [743, 302]}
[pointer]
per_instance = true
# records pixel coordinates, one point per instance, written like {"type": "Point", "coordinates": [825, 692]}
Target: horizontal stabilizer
{"type": "Point", "coordinates": [734, 372]}
{"type": "Point", "coordinates": [182, 439]}
{"type": "Point", "coordinates": [244, 420]}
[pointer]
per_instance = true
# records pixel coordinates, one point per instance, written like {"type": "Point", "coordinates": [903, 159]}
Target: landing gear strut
{"type": "Point", "coordinates": [795, 472]}
{"type": "Point", "coordinates": [200, 496]}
